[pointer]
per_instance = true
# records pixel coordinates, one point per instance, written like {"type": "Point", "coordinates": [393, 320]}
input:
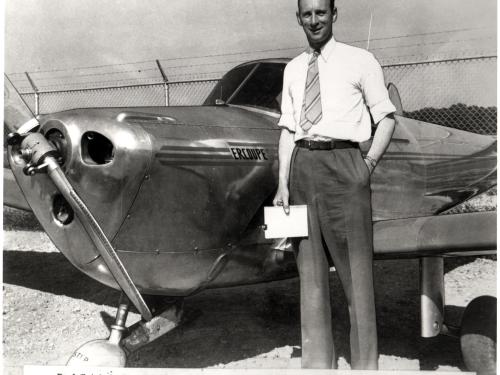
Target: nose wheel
{"type": "Point", "coordinates": [105, 352]}
{"type": "Point", "coordinates": [112, 352]}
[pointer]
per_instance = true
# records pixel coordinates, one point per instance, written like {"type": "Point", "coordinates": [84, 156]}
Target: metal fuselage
{"type": "Point", "coordinates": [180, 191]}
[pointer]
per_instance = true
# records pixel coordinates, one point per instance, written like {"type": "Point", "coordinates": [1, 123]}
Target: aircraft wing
{"type": "Point", "coordinates": [450, 235]}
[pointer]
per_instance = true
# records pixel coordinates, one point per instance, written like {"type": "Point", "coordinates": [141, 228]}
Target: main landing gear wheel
{"type": "Point", "coordinates": [478, 335]}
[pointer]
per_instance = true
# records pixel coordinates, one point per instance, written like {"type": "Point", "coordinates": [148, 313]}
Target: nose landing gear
{"type": "Point", "coordinates": [112, 352]}
{"type": "Point", "coordinates": [105, 352]}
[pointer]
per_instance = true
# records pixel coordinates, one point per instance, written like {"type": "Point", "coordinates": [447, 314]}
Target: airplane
{"type": "Point", "coordinates": [165, 202]}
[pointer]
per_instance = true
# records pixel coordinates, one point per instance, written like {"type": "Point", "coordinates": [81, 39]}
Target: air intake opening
{"type": "Point", "coordinates": [96, 149]}
{"type": "Point", "coordinates": [62, 211]}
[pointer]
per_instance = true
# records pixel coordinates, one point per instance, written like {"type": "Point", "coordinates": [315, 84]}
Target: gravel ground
{"type": "Point", "coordinates": [50, 309]}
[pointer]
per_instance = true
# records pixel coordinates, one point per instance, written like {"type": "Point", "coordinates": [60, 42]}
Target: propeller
{"type": "Point", "coordinates": [42, 157]}
{"type": "Point", "coordinates": [16, 111]}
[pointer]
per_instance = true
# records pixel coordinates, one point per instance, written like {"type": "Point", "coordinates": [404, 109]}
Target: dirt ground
{"type": "Point", "coordinates": [50, 309]}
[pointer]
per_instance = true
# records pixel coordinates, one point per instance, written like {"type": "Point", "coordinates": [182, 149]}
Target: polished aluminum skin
{"type": "Point", "coordinates": [180, 191]}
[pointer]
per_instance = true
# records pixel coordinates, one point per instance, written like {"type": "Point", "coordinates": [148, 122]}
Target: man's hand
{"type": "Point", "coordinates": [281, 199]}
{"type": "Point", "coordinates": [286, 146]}
{"type": "Point", "coordinates": [381, 139]}
{"type": "Point", "coordinates": [370, 165]}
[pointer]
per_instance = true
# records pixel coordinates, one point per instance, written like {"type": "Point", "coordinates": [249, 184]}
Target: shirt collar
{"type": "Point", "coordinates": [326, 50]}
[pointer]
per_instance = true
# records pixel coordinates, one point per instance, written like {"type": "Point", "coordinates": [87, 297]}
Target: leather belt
{"type": "Point", "coordinates": [325, 145]}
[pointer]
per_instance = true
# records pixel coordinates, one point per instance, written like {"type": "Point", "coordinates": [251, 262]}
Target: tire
{"type": "Point", "coordinates": [478, 335]}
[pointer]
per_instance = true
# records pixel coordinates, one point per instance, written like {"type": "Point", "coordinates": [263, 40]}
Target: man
{"type": "Point", "coordinates": [329, 92]}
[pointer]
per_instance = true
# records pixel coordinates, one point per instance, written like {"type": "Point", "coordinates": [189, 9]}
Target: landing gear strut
{"type": "Point", "coordinates": [479, 325]}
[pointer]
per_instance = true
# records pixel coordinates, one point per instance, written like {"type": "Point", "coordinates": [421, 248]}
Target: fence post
{"type": "Point", "coordinates": [35, 89]}
{"type": "Point", "coordinates": [165, 83]}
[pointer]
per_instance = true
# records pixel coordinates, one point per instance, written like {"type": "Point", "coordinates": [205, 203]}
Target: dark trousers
{"type": "Point", "coordinates": [335, 185]}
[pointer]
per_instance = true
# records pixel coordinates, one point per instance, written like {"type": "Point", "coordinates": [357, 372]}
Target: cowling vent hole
{"type": "Point", "coordinates": [62, 211]}
{"type": "Point", "coordinates": [96, 149]}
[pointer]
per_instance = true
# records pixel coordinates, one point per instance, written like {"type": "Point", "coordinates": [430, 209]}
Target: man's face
{"type": "Point", "coordinates": [316, 18]}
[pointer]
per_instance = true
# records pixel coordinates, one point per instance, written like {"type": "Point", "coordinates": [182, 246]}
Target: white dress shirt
{"type": "Point", "coordinates": [351, 81]}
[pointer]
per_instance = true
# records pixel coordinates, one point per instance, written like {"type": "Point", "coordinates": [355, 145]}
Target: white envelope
{"type": "Point", "coordinates": [278, 224]}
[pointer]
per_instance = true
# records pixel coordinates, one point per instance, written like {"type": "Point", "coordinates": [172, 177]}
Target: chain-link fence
{"type": "Point", "coordinates": [127, 96]}
{"type": "Point", "coordinates": [190, 93]}
{"type": "Point", "coordinates": [459, 93]}
{"type": "Point", "coordinates": [150, 95]}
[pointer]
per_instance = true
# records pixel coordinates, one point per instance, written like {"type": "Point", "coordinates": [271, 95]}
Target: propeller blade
{"type": "Point", "coordinates": [17, 112]}
{"type": "Point", "coordinates": [99, 238]}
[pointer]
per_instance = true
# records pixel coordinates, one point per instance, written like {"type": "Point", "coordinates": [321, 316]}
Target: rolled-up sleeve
{"type": "Point", "coordinates": [286, 120]}
{"type": "Point", "coordinates": [375, 92]}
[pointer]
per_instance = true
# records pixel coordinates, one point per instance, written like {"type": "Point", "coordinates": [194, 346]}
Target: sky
{"type": "Point", "coordinates": [45, 35]}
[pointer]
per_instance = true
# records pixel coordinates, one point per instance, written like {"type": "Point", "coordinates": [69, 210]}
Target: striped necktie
{"type": "Point", "coordinates": [311, 107]}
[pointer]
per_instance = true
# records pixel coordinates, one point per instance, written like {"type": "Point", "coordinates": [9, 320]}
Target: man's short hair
{"type": "Point", "coordinates": [332, 4]}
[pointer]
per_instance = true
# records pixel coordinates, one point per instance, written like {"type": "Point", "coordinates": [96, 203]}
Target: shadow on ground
{"type": "Point", "coordinates": [53, 273]}
{"type": "Point", "coordinates": [14, 219]}
{"type": "Point", "coordinates": [232, 324]}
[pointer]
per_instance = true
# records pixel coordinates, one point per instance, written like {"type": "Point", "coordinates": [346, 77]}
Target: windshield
{"type": "Point", "coordinates": [255, 85]}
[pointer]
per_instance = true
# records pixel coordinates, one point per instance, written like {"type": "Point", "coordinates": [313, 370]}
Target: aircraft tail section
{"type": "Point", "coordinates": [430, 168]}
{"type": "Point", "coordinates": [395, 98]}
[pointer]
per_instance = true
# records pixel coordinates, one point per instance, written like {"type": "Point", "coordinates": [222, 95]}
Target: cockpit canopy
{"type": "Point", "coordinates": [256, 84]}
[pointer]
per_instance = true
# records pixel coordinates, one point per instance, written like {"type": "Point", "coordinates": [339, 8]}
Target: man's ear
{"type": "Point", "coordinates": [334, 14]}
{"type": "Point", "coordinates": [298, 19]}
